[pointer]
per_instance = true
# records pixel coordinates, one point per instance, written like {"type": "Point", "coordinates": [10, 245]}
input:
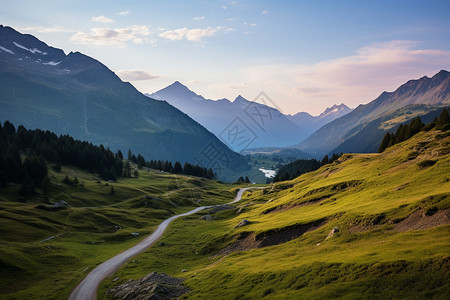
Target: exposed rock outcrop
{"type": "Point", "coordinates": [155, 286]}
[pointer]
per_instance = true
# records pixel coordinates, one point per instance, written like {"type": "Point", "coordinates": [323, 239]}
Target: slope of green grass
{"type": "Point", "coordinates": [393, 240]}
{"type": "Point", "coordinates": [45, 251]}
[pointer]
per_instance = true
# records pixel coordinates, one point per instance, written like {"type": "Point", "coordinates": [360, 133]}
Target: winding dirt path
{"type": "Point", "coordinates": [87, 289]}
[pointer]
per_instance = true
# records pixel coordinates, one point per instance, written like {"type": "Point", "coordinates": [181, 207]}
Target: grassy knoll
{"type": "Point", "coordinates": [45, 251]}
{"type": "Point", "coordinates": [391, 211]}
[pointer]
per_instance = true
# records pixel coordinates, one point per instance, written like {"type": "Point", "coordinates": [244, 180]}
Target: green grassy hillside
{"type": "Point", "coordinates": [46, 250]}
{"type": "Point", "coordinates": [391, 213]}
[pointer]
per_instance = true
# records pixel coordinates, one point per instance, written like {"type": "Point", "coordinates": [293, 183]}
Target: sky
{"type": "Point", "coordinates": [304, 55]}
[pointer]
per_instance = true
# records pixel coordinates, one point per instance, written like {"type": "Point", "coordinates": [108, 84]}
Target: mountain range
{"type": "Point", "coordinates": [266, 125]}
{"type": "Point", "coordinates": [42, 87]}
{"type": "Point", "coordinates": [415, 97]}
{"type": "Point", "coordinates": [311, 123]}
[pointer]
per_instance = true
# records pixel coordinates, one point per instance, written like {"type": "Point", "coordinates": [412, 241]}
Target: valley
{"type": "Point", "coordinates": [198, 150]}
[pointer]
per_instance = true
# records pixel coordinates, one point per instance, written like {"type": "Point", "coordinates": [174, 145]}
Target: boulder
{"type": "Point", "coordinates": [206, 218]}
{"type": "Point", "coordinates": [243, 223]}
{"type": "Point", "coordinates": [152, 286]}
{"type": "Point", "coordinates": [332, 232]}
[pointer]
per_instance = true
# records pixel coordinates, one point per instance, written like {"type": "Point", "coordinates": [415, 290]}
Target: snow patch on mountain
{"type": "Point", "coordinates": [34, 50]}
{"type": "Point", "coordinates": [52, 63]}
{"type": "Point", "coordinates": [6, 50]}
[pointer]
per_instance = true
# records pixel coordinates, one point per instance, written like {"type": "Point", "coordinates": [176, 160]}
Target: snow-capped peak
{"type": "Point", "coordinates": [335, 109]}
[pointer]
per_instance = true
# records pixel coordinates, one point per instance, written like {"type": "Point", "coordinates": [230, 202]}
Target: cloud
{"type": "Point", "coordinates": [198, 18]}
{"type": "Point", "coordinates": [54, 29]}
{"type": "Point", "coordinates": [265, 12]}
{"type": "Point", "coordinates": [354, 79]}
{"type": "Point", "coordinates": [102, 19]}
{"type": "Point", "coordinates": [113, 37]}
{"type": "Point", "coordinates": [193, 81]}
{"type": "Point", "coordinates": [136, 75]}
{"type": "Point", "coordinates": [194, 35]}
{"type": "Point", "coordinates": [249, 24]}
{"type": "Point", "coordinates": [124, 13]}
{"type": "Point", "coordinates": [224, 7]}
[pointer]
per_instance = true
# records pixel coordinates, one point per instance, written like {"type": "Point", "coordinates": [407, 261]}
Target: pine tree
{"type": "Point", "coordinates": [247, 180]}
{"type": "Point", "coordinates": [325, 160]}
{"type": "Point", "coordinates": [120, 155]}
{"type": "Point", "coordinates": [127, 170]}
{"type": "Point", "coordinates": [385, 142]}
{"type": "Point", "coordinates": [443, 121]}
{"type": "Point", "coordinates": [210, 174]}
{"type": "Point", "coordinates": [177, 169]}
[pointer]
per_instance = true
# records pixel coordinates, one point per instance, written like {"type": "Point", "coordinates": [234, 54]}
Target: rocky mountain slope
{"type": "Point", "coordinates": [433, 91]}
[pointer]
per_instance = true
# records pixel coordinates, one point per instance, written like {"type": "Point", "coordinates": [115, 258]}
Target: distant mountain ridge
{"type": "Point", "coordinates": [433, 91]}
{"type": "Point", "coordinates": [267, 125]}
{"type": "Point", "coordinates": [41, 87]}
{"type": "Point", "coordinates": [311, 123]}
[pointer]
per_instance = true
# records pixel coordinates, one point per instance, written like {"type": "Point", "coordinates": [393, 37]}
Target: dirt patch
{"type": "Point", "coordinates": [421, 219]}
{"type": "Point", "coordinates": [249, 240]}
{"type": "Point", "coordinates": [242, 242]}
{"type": "Point", "coordinates": [418, 220]}
{"type": "Point", "coordinates": [153, 286]}
{"type": "Point", "coordinates": [283, 235]}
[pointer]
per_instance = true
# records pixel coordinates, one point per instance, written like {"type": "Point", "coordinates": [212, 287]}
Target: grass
{"type": "Point", "coordinates": [366, 196]}
{"type": "Point", "coordinates": [45, 252]}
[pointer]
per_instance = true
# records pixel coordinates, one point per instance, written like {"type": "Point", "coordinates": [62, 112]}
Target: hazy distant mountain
{"type": "Point", "coordinates": [261, 125]}
{"type": "Point", "coordinates": [430, 91]}
{"type": "Point", "coordinates": [311, 123]}
{"type": "Point", "coordinates": [41, 87]}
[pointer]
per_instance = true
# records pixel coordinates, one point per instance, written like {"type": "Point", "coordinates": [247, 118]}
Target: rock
{"type": "Point", "coordinates": [184, 270]}
{"type": "Point", "coordinates": [61, 203]}
{"type": "Point", "coordinates": [243, 223]}
{"type": "Point", "coordinates": [115, 279]}
{"type": "Point", "coordinates": [332, 232]}
{"type": "Point", "coordinates": [135, 233]}
{"type": "Point", "coordinates": [206, 218]}
{"type": "Point", "coordinates": [152, 286]}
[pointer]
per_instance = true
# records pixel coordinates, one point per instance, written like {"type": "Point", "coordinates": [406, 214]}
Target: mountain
{"type": "Point", "coordinates": [42, 87]}
{"type": "Point", "coordinates": [311, 123]}
{"type": "Point", "coordinates": [433, 91]}
{"type": "Point", "coordinates": [260, 124]}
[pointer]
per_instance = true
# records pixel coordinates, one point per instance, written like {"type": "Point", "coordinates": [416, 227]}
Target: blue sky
{"type": "Point", "coordinates": [305, 55]}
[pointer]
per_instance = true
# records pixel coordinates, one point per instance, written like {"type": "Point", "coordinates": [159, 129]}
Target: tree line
{"type": "Point", "coordinates": [40, 147]}
{"type": "Point", "coordinates": [302, 166]}
{"type": "Point", "coordinates": [406, 131]}
{"type": "Point", "coordinates": [58, 150]}
{"type": "Point", "coordinates": [167, 166]}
